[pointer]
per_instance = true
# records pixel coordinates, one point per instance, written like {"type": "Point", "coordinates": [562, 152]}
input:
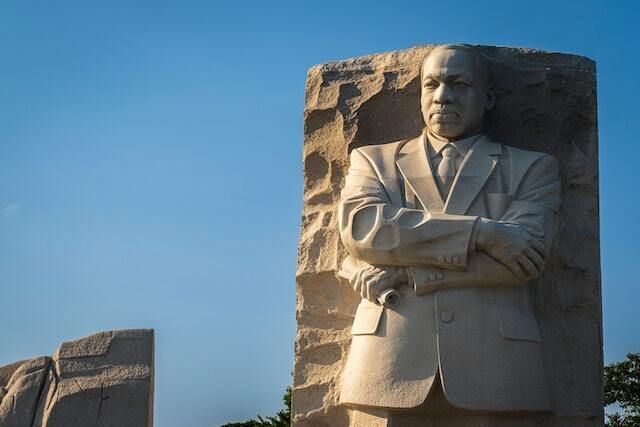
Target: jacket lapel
{"type": "Point", "coordinates": [413, 162]}
{"type": "Point", "coordinates": [474, 172]}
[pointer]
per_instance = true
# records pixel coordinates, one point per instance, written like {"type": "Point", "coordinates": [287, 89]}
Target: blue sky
{"type": "Point", "coordinates": [150, 171]}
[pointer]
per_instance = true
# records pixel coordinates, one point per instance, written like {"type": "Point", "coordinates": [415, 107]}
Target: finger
{"type": "Point", "coordinates": [380, 282]}
{"type": "Point", "coordinates": [357, 283]}
{"type": "Point", "coordinates": [528, 266]}
{"type": "Point", "coordinates": [399, 277]}
{"type": "Point", "coordinates": [516, 270]}
{"type": "Point", "coordinates": [362, 282]}
{"type": "Point", "coordinates": [534, 256]}
{"type": "Point", "coordinates": [540, 247]}
{"type": "Point", "coordinates": [388, 279]}
{"type": "Point", "coordinates": [364, 290]}
{"type": "Point", "coordinates": [370, 286]}
{"type": "Point", "coordinates": [368, 270]}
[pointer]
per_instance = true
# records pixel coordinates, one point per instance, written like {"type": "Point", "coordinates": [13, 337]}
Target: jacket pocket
{"type": "Point", "coordinates": [367, 318]}
{"type": "Point", "coordinates": [517, 324]}
{"type": "Point", "coordinates": [497, 204]}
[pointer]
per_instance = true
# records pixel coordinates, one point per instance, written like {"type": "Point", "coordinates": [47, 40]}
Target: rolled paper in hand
{"type": "Point", "coordinates": [389, 297]}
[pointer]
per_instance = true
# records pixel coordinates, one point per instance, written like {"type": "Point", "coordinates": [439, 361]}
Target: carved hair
{"type": "Point", "coordinates": [480, 61]}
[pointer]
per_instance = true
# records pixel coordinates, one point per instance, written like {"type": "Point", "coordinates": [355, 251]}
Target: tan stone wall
{"type": "Point", "coordinates": [546, 102]}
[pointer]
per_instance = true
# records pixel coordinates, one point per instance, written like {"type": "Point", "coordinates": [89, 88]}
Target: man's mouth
{"type": "Point", "coordinates": [444, 116]}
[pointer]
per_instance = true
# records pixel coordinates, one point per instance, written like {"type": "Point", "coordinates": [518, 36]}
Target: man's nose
{"type": "Point", "coordinates": [443, 94]}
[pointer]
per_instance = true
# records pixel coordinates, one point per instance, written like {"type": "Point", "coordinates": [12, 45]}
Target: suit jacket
{"type": "Point", "coordinates": [464, 314]}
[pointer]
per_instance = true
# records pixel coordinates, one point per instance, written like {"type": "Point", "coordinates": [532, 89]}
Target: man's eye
{"type": "Point", "coordinates": [460, 83]}
{"type": "Point", "coordinates": [431, 84]}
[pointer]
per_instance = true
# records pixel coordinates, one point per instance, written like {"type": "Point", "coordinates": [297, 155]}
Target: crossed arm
{"type": "Point", "coordinates": [433, 251]}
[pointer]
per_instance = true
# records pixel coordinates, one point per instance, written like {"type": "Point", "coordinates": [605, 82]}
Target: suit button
{"type": "Point", "coordinates": [446, 316]}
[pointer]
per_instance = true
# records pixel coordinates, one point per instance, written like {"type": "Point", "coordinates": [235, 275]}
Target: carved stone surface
{"type": "Point", "coordinates": [22, 392]}
{"type": "Point", "coordinates": [546, 102]}
{"type": "Point", "coordinates": [105, 379]}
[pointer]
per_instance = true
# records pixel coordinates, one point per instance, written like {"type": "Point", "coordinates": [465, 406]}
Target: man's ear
{"type": "Point", "coordinates": [491, 98]}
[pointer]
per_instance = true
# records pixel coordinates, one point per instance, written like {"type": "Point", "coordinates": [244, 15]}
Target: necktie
{"type": "Point", "coordinates": [447, 168]}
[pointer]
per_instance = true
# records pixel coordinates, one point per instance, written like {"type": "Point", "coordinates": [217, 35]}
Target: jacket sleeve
{"type": "Point", "coordinates": [378, 232]}
{"type": "Point", "coordinates": [535, 207]}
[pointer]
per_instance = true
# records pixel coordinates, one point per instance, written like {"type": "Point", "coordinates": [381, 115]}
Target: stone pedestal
{"type": "Point", "coordinates": [545, 102]}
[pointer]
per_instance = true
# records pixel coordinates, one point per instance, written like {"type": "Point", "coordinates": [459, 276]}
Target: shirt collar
{"type": "Point", "coordinates": [436, 145]}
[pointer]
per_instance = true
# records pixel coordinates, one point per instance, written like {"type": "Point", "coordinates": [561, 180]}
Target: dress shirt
{"type": "Point", "coordinates": [435, 147]}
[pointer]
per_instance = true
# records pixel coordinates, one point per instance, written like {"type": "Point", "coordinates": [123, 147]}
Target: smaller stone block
{"type": "Point", "coordinates": [105, 379]}
{"type": "Point", "coordinates": [19, 398]}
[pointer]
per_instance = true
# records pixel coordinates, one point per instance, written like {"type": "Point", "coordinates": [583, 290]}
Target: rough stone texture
{"type": "Point", "coordinates": [22, 392]}
{"type": "Point", "coordinates": [546, 102]}
{"type": "Point", "coordinates": [105, 379]}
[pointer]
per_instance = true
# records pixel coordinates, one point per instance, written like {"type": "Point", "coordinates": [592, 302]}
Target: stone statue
{"type": "Point", "coordinates": [445, 234]}
{"type": "Point", "coordinates": [474, 256]}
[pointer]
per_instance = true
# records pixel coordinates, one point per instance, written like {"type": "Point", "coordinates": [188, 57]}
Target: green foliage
{"type": "Point", "coordinates": [622, 387]}
{"type": "Point", "coordinates": [281, 419]}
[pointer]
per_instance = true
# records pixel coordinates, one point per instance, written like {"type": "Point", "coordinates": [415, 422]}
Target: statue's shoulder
{"type": "Point", "coordinates": [521, 163]}
{"type": "Point", "coordinates": [379, 151]}
{"type": "Point", "coordinates": [382, 157]}
{"type": "Point", "coordinates": [520, 156]}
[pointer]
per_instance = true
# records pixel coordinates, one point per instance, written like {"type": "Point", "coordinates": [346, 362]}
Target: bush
{"type": "Point", "coordinates": [281, 419]}
{"type": "Point", "coordinates": [622, 387]}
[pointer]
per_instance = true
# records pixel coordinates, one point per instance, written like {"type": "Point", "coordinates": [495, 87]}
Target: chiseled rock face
{"type": "Point", "coordinates": [545, 102]}
{"type": "Point", "coordinates": [22, 391]}
{"type": "Point", "coordinates": [105, 379]}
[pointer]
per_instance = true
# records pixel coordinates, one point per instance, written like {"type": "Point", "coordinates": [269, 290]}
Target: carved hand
{"type": "Point", "coordinates": [513, 246]}
{"type": "Point", "coordinates": [370, 280]}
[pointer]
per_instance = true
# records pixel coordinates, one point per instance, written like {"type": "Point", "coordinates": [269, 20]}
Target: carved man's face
{"type": "Point", "coordinates": [455, 94]}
